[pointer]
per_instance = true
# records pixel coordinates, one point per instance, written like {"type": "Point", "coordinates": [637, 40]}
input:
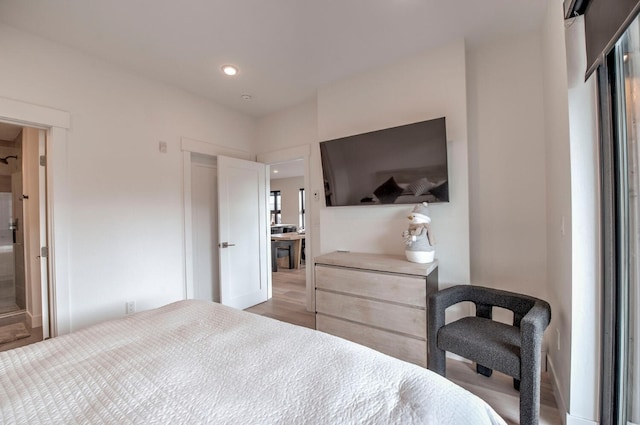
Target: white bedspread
{"type": "Point", "coordinates": [195, 362]}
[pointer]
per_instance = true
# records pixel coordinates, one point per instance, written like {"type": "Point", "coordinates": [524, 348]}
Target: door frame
{"type": "Point", "coordinates": [189, 147]}
{"type": "Point", "coordinates": [56, 124]}
{"type": "Point", "coordinates": [291, 154]}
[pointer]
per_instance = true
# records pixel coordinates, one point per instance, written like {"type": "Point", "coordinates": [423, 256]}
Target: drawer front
{"type": "Point", "coordinates": [393, 317]}
{"type": "Point", "coordinates": [389, 287]}
{"type": "Point", "coordinates": [398, 346]}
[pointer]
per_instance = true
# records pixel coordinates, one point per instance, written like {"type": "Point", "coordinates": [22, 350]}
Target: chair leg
{"type": "Point", "coordinates": [485, 371]}
{"type": "Point", "coordinates": [530, 395]}
{"type": "Point", "coordinates": [292, 264]}
{"type": "Point", "coordinates": [274, 258]}
{"type": "Point", "coordinates": [437, 360]}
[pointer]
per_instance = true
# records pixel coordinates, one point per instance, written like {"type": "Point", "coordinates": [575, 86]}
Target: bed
{"type": "Point", "coordinates": [197, 362]}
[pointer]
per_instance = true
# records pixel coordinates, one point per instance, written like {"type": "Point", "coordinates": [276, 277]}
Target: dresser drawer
{"type": "Point", "coordinates": [395, 288]}
{"type": "Point", "coordinates": [392, 317]}
{"type": "Point", "coordinates": [398, 346]}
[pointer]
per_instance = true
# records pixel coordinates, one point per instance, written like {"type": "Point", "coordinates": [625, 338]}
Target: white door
{"type": "Point", "coordinates": [46, 301]}
{"type": "Point", "coordinates": [242, 215]}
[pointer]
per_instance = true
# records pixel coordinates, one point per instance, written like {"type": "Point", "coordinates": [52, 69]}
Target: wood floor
{"type": "Point", "coordinates": [288, 302]}
{"type": "Point", "coordinates": [288, 305]}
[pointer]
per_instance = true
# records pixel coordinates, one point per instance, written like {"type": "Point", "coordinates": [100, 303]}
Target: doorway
{"type": "Point", "coordinates": [193, 149]}
{"type": "Point", "coordinates": [288, 212]}
{"type": "Point", "coordinates": [21, 293]}
{"type": "Point", "coordinates": [293, 154]}
{"type": "Point", "coordinates": [226, 249]}
{"type": "Point", "coordinates": [12, 277]}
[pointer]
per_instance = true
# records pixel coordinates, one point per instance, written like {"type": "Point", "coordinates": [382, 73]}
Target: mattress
{"type": "Point", "coordinates": [198, 363]}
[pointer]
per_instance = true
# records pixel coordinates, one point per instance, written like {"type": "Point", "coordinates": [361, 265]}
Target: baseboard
{"type": "Point", "coordinates": [34, 321]}
{"type": "Point", "coordinates": [562, 406]}
{"type": "Point", "coordinates": [573, 420]}
{"type": "Point", "coordinates": [565, 416]}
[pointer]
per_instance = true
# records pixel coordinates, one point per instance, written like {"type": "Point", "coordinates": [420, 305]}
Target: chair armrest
{"type": "Point", "coordinates": [440, 301]}
{"type": "Point", "coordinates": [532, 328]}
{"type": "Point", "coordinates": [484, 298]}
{"type": "Point", "coordinates": [535, 322]}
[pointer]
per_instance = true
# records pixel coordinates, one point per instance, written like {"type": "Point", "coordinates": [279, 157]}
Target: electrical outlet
{"type": "Point", "coordinates": [162, 147]}
{"type": "Point", "coordinates": [131, 307]}
{"type": "Point", "coordinates": [316, 195]}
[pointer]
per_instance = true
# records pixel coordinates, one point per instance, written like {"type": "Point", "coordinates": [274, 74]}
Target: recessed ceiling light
{"type": "Point", "coordinates": [246, 97]}
{"type": "Point", "coordinates": [229, 69]}
{"type": "Point", "coordinates": [275, 171]}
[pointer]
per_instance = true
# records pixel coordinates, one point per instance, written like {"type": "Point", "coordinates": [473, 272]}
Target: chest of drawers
{"type": "Point", "coordinates": [376, 300]}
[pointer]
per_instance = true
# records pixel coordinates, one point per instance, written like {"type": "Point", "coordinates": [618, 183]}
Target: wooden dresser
{"type": "Point", "coordinates": [376, 300]}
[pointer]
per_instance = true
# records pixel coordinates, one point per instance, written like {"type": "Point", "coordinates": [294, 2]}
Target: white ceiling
{"type": "Point", "coordinates": [288, 169]}
{"type": "Point", "coordinates": [285, 49]}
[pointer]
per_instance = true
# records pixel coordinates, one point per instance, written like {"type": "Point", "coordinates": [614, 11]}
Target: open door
{"type": "Point", "coordinates": [242, 230]}
{"type": "Point", "coordinates": [33, 201]}
{"type": "Point", "coordinates": [47, 301]}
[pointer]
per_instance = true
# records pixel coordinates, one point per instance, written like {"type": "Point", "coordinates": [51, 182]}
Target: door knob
{"type": "Point", "coordinates": [226, 245]}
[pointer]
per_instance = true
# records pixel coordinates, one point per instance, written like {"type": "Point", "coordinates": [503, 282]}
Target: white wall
{"type": "Point", "coordinates": [559, 203]}
{"type": "Point", "coordinates": [586, 315]}
{"type": "Point", "coordinates": [425, 86]}
{"type": "Point", "coordinates": [507, 193]}
{"type": "Point", "coordinates": [290, 196]}
{"type": "Point", "coordinates": [291, 127]}
{"type": "Point", "coordinates": [126, 236]}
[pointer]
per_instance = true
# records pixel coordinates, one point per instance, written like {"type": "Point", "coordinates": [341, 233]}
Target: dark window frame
{"type": "Point", "coordinates": [302, 208]}
{"type": "Point", "coordinates": [277, 208]}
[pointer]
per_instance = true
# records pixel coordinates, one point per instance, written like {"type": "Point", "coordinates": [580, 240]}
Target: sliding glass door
{"type": "Point", "coordinates": [620, 111]}
{"type": "Point", "coordinates": [628, 59]}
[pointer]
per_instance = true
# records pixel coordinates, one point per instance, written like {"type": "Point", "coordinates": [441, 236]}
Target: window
{"type": "Point", "coordinates": [301, 209]}
{"type": "Point", "coordinates": [275, 205]}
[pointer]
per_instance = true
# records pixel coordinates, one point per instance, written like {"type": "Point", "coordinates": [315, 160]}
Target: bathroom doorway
{"type": "Point", "coordinates": [12, 276]}
{"type": "Point", "coordinates": [22, 313]}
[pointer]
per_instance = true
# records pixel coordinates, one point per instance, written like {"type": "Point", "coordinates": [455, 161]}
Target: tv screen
{"type": "Point", "coordinates": [398, 165]}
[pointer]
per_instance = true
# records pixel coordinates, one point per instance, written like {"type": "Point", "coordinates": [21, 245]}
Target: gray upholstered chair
{"type": "Point", "coordinates": [513, 350]}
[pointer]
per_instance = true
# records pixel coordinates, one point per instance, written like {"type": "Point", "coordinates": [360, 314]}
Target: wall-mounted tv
{"type": "Point", "coordinates": [398, 165]}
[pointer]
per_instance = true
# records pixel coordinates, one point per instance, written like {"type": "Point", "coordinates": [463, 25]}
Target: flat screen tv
{"type": "Point", "coordinates": [398, 165]}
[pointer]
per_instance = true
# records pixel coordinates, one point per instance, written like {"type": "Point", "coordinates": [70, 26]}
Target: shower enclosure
{"type": "Point", "coordinates": [12, 270]}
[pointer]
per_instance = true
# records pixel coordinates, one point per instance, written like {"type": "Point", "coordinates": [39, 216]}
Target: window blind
{"type": "Point", "coordinates": [604, 21]}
